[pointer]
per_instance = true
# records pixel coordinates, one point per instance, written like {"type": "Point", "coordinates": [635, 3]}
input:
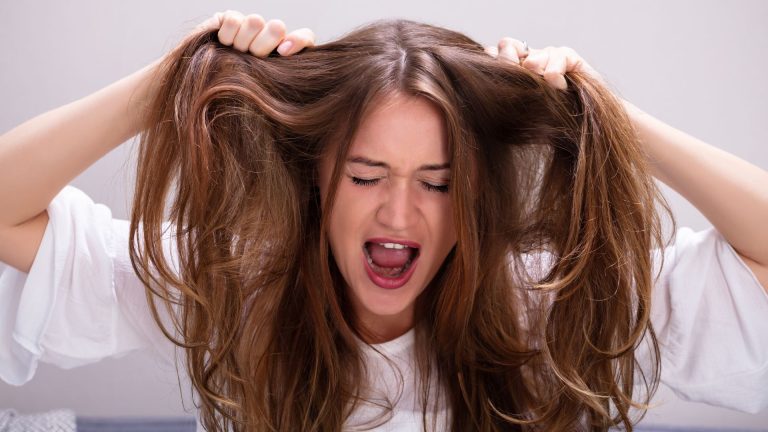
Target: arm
{"type": "Point", "coordinates": [39, 157]}
{"type": "Point", "coordinates": [729, 191]}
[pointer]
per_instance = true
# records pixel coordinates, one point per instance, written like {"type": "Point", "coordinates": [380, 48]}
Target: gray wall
{"type": "Point", "coordinates": [699, 65]}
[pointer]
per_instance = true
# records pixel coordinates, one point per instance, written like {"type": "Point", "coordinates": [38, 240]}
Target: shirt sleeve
{"type": "Point", "coordinates": [710, 314]}
{"type": "Point", "coordinates": [81, 300]}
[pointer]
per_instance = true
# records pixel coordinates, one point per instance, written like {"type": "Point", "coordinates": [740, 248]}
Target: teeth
{"type": "Point", "coordinates": [389, 272]}
{"type": "Point", "coordinates": [393, 245]}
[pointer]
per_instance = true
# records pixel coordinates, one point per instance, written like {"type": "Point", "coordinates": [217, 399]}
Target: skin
{"type": "Point", "coordinates": [251, 33]}
{"type": "Point", "coordinates": [64, 142]}
{"type": "Point", "coordinates": [400, 200]}
{"type": "Point", "coordinates": [726, 189]}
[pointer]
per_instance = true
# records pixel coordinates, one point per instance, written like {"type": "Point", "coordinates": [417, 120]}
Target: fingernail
{"type": "Point", "coordinates": [284, 47]}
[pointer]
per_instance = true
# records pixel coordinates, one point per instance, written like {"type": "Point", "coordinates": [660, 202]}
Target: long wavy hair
{"type": "Point", "coordinates": [541, 179]}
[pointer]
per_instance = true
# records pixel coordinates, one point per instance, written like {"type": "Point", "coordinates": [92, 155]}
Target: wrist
{"type": "Point", "coordinates": [142, 87]}
{"type": "Point", "coordinates": [644, 126]}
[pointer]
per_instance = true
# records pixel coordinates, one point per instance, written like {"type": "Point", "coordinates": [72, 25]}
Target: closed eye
{"type": "Point", "coordinates": [372, 182]}
{"type": "Point", "coordinates": [435, 188]}
{"type": "Point", "coordinates": [364, 182]}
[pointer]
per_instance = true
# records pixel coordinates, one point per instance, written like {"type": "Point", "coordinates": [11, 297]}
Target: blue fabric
{"type": "Point", "coordinates": [183, 424]}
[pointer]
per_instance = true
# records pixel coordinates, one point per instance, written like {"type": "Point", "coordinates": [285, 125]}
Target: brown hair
{"type": "Point", "coordinates": [232, 143]}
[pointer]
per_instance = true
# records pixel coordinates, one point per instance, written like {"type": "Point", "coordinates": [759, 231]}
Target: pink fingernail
{"type": "Point", "coordinates": [284, 47]}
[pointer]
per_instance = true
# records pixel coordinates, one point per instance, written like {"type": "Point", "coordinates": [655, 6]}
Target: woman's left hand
{"type": "Point", "coordinates": [551, 62]}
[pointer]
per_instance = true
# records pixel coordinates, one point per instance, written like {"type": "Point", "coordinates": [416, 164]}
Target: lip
{"type": "Point", "coordinates": [410, 244]}
{"type": "Point", "coordinates": [385, 282]}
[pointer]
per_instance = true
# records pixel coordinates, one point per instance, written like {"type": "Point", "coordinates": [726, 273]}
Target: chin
{"type": "Point", "coordinates": [384, 303]}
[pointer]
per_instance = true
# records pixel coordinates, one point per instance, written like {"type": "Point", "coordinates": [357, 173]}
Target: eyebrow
{"type": "Point", "coordinates": [372, 163]}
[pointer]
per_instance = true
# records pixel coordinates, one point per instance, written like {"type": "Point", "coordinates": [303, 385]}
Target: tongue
{"type": "Point", "coordinates": [384, 257]}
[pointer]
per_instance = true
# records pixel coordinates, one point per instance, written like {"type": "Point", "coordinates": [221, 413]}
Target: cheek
{"type": "Point", "coordinates": [348, 216]}
{"type": "Point", "coordinates": [445, 225]}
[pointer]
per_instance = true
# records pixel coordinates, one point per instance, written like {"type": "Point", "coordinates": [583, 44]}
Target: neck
{"type": "Point", "coordinates": [380, 329]}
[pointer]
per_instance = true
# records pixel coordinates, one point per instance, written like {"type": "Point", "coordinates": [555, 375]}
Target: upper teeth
{"type": "Point", "coordinates": [393, 245]}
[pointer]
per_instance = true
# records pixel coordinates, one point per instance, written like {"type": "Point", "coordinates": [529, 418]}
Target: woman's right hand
{"type": "Point", "coordinates": [250, 33]}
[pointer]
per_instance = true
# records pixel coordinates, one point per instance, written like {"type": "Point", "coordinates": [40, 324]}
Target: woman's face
{"type": "Point", "coordinates": [391, 225]}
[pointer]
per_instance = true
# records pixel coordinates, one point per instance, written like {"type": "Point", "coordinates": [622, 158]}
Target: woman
{"type": "Point", "coordinates": [393, 230]}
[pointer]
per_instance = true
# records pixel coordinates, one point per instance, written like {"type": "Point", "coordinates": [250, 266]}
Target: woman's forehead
{"type": "Point", "coordinates": [402, 131]}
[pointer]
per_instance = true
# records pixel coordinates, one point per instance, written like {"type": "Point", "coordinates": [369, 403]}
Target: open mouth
{"type": "Point", "coordinates": [388, 259]}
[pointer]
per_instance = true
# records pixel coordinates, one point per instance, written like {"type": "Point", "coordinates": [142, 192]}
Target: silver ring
{"type": "Point", "coordinates": [525, 47]}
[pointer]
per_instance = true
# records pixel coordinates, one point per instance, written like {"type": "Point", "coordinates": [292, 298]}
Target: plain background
{"type": "Point", "coordinates": [698, 65]}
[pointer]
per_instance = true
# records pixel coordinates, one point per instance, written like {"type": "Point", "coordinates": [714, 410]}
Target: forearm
{"type": "Point", "coordinates": [39, 157]}
{"type": "Point", "coordinates": [729, 191]}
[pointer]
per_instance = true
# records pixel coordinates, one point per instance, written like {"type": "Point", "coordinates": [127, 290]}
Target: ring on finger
{"type": "Point", "coordinates": [524, 53]}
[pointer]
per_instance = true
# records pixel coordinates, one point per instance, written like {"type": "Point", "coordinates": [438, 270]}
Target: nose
{"type": "Point", "coordinates": [398, 211]}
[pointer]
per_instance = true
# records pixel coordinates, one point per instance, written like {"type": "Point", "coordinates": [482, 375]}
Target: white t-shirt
{"type": "Point", "coordinates": [82, 302]}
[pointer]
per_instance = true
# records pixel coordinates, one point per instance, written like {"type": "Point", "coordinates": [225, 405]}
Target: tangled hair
{"type": "Point", "coordinates": [228, 163]}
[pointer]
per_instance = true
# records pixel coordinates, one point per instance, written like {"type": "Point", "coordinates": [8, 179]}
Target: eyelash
{"type": "Point", "coordinates": [428, 186]}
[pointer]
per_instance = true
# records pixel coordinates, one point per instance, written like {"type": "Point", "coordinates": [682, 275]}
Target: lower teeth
{"type": "Point", "coordinates": [388, 271]}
